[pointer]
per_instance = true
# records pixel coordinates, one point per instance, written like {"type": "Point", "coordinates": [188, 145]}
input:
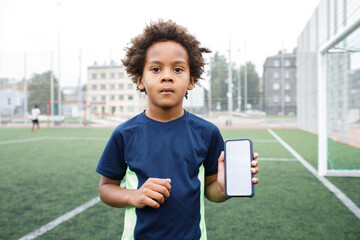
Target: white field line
{"type": "Point", "coordinates": [278, 159]}
{"type": "Point", "coordinates": [63, 218]}
{"type": "Point", "coordinates": [84, 138]}
{"type": "Point", "coordinates": [60, 220]}
{"type": "Point", "coordinates": [75, 138]}
{"type": "Point", "coordinates": [265, 140]}
{"type": "Point", "coordinates": [21, 140]}
{"type": "Point", "coordinates": [52, 138]}
{"type": "Point", "coordinates": [339, 194]}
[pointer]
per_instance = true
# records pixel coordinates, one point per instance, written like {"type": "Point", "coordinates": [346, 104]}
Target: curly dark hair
{"type": "Point", "coordinates": [159, 32]}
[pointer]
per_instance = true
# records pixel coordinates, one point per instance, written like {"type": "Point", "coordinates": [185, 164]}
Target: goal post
{"type": "Point", "coordinates": [73, 112]}
{"type": "Point", "coordinates": [339, 105]}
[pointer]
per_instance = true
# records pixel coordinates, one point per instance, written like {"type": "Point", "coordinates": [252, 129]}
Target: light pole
{"type": "Point", "coordinates": [59, 62]}
{"type": "Point", "coordinates": [79, 87]}
{"type": "Point", "coordinates": [239, 87]}
{"type": "Point", "coordinates": [52, 89]}
{"type": "Point", "coordinates": [229, 92]}
{"type": "Point", "coordinates": [245, 79]}
{"type": "Point", "coordinates": [25, 92]}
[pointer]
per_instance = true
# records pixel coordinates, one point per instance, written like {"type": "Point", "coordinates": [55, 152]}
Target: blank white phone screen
{"type": "Point", "coordinates": [238, 164]}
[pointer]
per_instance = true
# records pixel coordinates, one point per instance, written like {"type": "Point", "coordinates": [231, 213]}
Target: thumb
{"type": "Point", "coordinates": [221, 162]}
{"type": "Point", "coordinates": [221, 157]}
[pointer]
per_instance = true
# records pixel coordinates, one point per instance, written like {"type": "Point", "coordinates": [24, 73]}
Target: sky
{"type": "Point", "coordinates": [33, 32]}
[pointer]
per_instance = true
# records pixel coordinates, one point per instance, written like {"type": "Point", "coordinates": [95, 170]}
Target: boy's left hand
{"type": "Point", "coordinates": [221, 170]}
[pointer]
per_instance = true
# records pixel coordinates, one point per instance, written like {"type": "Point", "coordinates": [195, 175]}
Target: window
{"type": "Point", "coordinates": [287, 98]}
{"type": "Point", "coordinates": [121, 97]}
{"type": "Point", "coordinates": [275, 75]}
{"type": "Point", "coordinates": [276, 98]}
{"type": "Point", "coordinates": [130, 86]}
{"type": "Point", "coordinates": [112, 97]}
{"type": "Point", "coordinates": [93, 98]}
{"type": "Point", "coordinates": [287, 74]}
{"type": "Point", "coordinates": [9, 101]}
{"type": "Point", "coordinates": [121, 86]}
{"type": "Point", "coordinates": [94, 76]}
{"type": "Point", "coordinates": [94, 109]}
{"type": "Point", "coordinates": [121, 75]}
{"type": "Point", "coordinates": [112, 75]}
{"type": "Point", "coordinates": [130, 97]}
{"type": "Point", "coordinates": [276, 63]}
{"type": "Point", "coordinates": [287, 63]}
{"type": "Point", "coordinates": [112, 110]}
{"type": "Point", "coordinates": [121, 108]}
{"type": "Point", "coordinates": [94, 87]}
{"type": "Point", "coordinates": [103, 98]}
{"type": "Point", "coordinates": [276, 86]}
{"type": "Point", "coordinates": [103, 75]}
{"type": "Point", "coordinates": [112, 86]}
{"type": "Point", "coordinates": [287, 86]}
{"type": "Point", "coordinates": [103, 86]}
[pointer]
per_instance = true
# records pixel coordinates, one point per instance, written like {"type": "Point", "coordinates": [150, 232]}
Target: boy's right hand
{"type": "Point", "coordinates": [152, 193]}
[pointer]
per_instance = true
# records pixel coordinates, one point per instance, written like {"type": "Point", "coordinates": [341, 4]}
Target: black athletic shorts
{"type": "Point", "coordinates": [35, 121]}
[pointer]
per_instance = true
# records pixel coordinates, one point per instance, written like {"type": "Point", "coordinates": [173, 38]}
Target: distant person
{"type": "Point", "coordinates": [169, 157]}
{"type": "Point", "coordinates": [35, 112]}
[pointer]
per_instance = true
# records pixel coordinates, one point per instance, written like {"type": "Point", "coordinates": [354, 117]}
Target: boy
{"type": "Point", "coordinates": [169, 157]}
{"type": "Point", "coordinates": [35, 112]}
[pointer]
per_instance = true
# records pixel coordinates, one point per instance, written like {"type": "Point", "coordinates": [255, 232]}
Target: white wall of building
{"type": "Point", "coordinates": [9, 100]}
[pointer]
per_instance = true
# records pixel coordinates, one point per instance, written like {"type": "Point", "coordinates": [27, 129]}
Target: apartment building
{"type": "Point", "coordinates": [110, 92]}
{"type": "Point", "coordinates": [279, 84]}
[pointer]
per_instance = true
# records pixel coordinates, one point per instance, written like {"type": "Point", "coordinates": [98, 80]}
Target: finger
{"type": "Point", "coordinates": [147, 201]}
{"type": "Point", "coordinates": [160, 181]}
{"type": "Point", "coordinates": [221, 157]}
{"type": "Point", "coordinates": [254, 163]}
{"type": "Point", "coordinates": [168, 185]}
{"type": "Point", "coordinates": [254, 170]}
{"type": "Point", "coordinates": [154, 195]}
{"type": "Point", "coordinates": [163, 190]}
{"type": "Point", "coordinates": [221, 162]}
{"type": "Point", "coordinates": [256, 155]}
{"type": "Point", "coordinates": [255, 180]}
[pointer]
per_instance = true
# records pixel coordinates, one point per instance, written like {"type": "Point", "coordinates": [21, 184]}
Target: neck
{"type": "Point", "coordinates": [164, 115]}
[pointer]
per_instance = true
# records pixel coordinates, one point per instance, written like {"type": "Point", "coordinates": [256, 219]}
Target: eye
{"type": "Point", "coordinates": [178, 70]}
{"type": "Point", "coordinates": [155, 69]}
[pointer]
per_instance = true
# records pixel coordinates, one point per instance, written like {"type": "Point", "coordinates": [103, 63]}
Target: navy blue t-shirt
{"type": "Point", "coordinates": [184, 150]}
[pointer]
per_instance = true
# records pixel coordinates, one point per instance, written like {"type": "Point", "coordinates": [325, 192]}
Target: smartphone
{"type": "Point", "coordinates": [238, 157]}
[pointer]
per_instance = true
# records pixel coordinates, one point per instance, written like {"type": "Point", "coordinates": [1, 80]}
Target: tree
{"type": "Point", "coordinates": [219, 86]}
{"type": "Point", "coordinates": [218, 71]}
{"type": "Point", "coordinates": [253, 86]}
{"type": "Point", "coordinates": [39, 90]}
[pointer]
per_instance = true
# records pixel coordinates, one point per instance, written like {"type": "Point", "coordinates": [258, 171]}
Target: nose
{"type": "Point", "coordinates": [167, 76]}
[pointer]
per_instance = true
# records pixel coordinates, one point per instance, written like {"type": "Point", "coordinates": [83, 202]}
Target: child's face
{"type": "Point", "coordinates": [166, 75]}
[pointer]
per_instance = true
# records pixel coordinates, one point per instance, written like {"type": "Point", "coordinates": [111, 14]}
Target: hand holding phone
{"type": "Point", "coordinates": [238, 157]}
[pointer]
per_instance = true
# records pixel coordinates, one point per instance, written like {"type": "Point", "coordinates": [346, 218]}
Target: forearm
{"type": "Point", "coordinates": [214, 193]}
{"type": "Point", "coordinates": [116, 196]}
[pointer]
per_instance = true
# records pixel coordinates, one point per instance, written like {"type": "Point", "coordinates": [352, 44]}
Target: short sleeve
{"type": "Point", "coordinates": [112, 163]}
{"type": "Point", "coordinates": [216, 146]}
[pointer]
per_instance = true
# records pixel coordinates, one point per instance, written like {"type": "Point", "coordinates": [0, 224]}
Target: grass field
{"type": "Point", "coordinates": [45, 175]}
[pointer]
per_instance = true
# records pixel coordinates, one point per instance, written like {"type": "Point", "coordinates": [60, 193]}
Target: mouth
{"type": "Point", "coordinates": [167, 90]}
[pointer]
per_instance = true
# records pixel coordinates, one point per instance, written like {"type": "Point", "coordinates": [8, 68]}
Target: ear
{"type": "Point", "coordinates": [140, 84]}
{"type": "Point", "coordinates": [191, 83]}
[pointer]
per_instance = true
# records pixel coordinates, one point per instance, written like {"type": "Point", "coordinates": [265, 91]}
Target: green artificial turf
{"type": "Point", "coordinates": [45, 178]}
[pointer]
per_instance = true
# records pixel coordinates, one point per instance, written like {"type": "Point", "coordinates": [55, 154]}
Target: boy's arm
{"type": "Point", "coordinates": [152, 193]}
{"type": "Point", "coordinates": [215, 184]}
{"type": "Point", "coordinates": [213, 190]}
